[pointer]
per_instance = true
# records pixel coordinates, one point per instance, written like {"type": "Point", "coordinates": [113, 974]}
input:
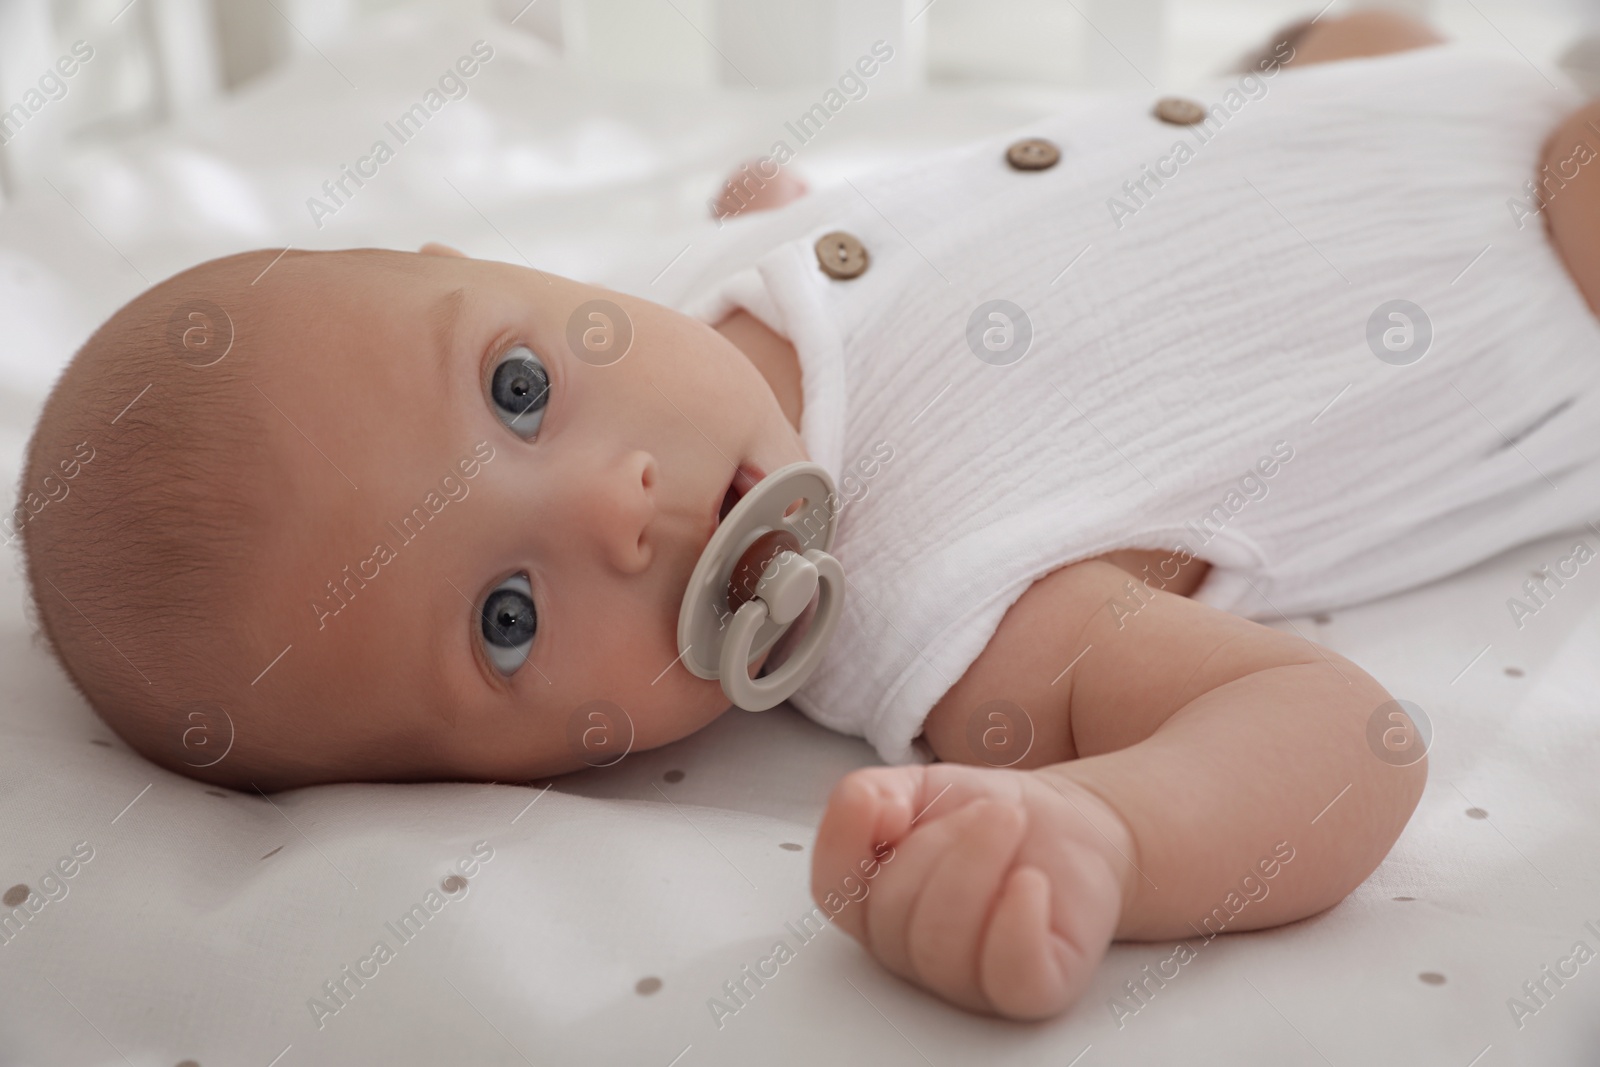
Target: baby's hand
{"type": "Point", "coordinates": [758, 185]}
{"type": "Point", "coordinates": [990, 888]}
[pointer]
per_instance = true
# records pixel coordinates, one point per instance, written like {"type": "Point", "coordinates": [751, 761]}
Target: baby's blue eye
{"type": "Point", "coordinates": [509, 623]}
{"type": "Point", "coordinates": [519, 390]}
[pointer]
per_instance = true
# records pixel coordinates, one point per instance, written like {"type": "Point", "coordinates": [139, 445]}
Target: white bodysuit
{"type": "Point", "coordinates": [1216, 365]}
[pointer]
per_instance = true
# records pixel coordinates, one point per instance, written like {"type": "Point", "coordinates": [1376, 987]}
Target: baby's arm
{"type": "Point", "coordinates": [1214, 738]}
{"type": "Point", "coordinates": [1176, 764]}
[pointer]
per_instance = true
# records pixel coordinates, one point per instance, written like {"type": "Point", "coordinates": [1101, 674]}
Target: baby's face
{"type": "Point", "coordinates": [486, 522]}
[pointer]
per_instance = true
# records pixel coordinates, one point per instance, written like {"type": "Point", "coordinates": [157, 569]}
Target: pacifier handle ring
{"type": "Point", "coordinates": [759, 694]}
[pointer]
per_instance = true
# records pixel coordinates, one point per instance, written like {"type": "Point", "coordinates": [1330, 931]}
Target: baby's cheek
{"type": "Point", "coordinates": [693, 706]}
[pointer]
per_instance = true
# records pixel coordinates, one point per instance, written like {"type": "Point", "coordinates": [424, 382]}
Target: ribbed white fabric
{"type": "Point", "coordinates": [1213, 328]}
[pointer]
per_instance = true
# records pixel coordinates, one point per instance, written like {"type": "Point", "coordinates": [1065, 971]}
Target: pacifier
{"type": "Point", "coordinates": [755, 578]}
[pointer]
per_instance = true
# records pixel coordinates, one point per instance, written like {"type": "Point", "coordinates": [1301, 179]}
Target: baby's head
{"type": "Point", "coordinates": [375, 515]}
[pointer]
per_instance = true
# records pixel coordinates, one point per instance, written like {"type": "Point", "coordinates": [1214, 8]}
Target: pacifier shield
{"type": "Point", "coordinates": [759, 517]}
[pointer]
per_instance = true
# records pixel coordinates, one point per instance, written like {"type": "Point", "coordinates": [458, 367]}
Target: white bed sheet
{"type": "Point", "coordinates": [206, 921]}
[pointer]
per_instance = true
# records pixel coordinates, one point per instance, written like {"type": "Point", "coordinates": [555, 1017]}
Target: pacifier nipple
{"type": "Point", "coordinates": [755, 578]}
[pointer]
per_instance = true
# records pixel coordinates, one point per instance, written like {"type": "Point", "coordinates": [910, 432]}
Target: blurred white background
{"type": "Point", "coordinates": [157, 59]}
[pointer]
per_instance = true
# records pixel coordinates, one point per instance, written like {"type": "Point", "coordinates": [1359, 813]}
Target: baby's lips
{"type": "Point", "coordinates": [747, 477]}
{"type": "Point", "coordinates": [744, 478]}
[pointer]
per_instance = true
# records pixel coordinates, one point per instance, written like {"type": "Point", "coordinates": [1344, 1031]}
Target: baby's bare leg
{"type": "Point", "coordinates": [1361, 33]}
{"type": "Point", "coordinates": [1569, 185]}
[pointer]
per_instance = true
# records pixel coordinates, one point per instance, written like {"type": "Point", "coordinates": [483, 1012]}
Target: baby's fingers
{"type": "Point", "coordinates": [945, 932]}
{"type": "Point", "coordinates": [918, 862]}
{"type": "Point", "coordinates": [1026, 970]}
{"type": "Point", "coordinates": [867, 810]}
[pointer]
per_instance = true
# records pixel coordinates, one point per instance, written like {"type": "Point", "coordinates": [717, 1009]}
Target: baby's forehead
{"type": "Point", "coordinates": [335, 306]}
{"type": "Point", "coordinates": [362, 406]}
{"type": "Point", "coordinates": [334, 277]}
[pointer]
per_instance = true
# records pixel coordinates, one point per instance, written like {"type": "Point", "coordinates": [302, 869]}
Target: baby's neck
{"type": "Point", "coordinates": [772, 355]}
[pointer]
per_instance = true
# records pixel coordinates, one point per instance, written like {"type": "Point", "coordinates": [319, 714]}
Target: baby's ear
{"type": "Point", "coordinates": [433, 248]}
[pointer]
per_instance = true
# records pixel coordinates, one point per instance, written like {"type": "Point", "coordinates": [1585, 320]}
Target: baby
{"type": "Point", "coordinates": [376, 516]}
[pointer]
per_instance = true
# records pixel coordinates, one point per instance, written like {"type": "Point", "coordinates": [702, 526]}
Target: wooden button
{"type": "Point", "coordinates": [840, 255]}
{"type": "Point", "coordinates": [1180, 111]}
{"type": "Point", "coordinates": [1033, 153]}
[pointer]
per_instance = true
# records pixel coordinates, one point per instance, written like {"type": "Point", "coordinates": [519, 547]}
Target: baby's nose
{"type": "Point", "coordinates": [619, 510]}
